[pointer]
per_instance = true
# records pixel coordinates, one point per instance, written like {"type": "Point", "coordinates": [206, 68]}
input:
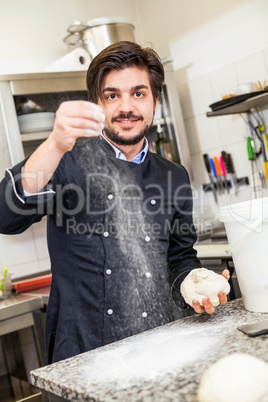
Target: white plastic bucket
{"type": "Point", "coordinates": [246, 225]}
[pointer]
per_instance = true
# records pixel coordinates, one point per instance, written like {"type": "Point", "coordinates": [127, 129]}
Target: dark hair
{"type": "Point", "coordinates": [119, 56]}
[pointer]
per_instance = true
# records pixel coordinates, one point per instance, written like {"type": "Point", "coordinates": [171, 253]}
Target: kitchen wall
{"type": "Point", "coordinates": [215, 46]}
{"type": "Point", "coordinates": [32, 31]}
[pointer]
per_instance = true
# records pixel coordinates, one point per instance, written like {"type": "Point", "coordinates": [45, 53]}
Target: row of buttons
{"type": "Point", "coordinates": [110, 312]}
{"type": "Point", "coordinates": [109, 271]}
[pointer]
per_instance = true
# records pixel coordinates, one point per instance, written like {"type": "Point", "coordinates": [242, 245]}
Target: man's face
{"type": "Point", "coordinates": [128, 105]}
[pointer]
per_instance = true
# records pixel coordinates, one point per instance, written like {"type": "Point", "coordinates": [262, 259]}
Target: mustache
{"type": "Point", "coordinates": [126, 116]}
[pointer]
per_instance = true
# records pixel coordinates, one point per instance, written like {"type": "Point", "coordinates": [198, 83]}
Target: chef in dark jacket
{"type": "Point", "coordinates": [120, 230]}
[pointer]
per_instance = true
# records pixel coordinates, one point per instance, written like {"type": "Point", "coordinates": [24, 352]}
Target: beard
{"type": "Point", "coordinates": [115, 137]}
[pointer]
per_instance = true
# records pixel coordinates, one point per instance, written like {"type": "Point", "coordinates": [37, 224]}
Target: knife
{"type": "Point", "coordinates": [208, 167]}
{"type": "Point", "coordinates": [263, 140]}
{"type": "Point", "coordinates": [224, 174]}
{"type": "Point", "coordinates": [218, 172]}
{"type": "Point", "coordinates": [228, 162]}
{"type": "Point", "coordinates": [214, 173]}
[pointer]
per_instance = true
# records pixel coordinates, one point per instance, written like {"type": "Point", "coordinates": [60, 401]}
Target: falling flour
{"type": "Point", "coordinates": [143, 268]}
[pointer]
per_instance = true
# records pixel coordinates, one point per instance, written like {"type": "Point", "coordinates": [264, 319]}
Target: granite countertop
{"type": "Point", "coordinates": [161, 365]}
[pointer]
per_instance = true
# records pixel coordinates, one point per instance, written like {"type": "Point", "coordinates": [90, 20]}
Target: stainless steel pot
{"type": "Point", "coordinates": [96, 35]}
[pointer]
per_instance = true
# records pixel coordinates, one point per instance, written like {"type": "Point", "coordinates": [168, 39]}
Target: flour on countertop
{"type": "Point", "coordinates": [156, 355]}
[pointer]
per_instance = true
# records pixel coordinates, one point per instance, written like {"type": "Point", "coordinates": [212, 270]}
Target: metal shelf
{"type": "Point", "coordinates": [36, 83]}
{"type": "Point", "coordinates": [242, 107]}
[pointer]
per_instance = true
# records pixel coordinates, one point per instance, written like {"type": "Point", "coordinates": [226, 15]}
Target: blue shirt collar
{"type": "Point", "coordinates": [138, 158]}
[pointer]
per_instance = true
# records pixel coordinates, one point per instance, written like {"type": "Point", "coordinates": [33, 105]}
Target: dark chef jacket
{"type": "Point", "coordinates": [120, 239]}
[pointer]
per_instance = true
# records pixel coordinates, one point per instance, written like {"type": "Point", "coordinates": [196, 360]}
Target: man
{"type": "Point", "coordinates": [120, 230]}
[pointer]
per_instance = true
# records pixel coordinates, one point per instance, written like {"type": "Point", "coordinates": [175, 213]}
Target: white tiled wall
{"type": "Point", "coordinates": [25, 254]}
{"type": "Point", "coordinates": [251, 68]}
{"type": "Point", "coordinates": [214, 134]}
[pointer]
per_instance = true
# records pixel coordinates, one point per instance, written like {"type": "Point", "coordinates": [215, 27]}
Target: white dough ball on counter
{"type": "Point", "coordinates": [235, 378]}
{"type": "Point", "coordinates": [202, 283]}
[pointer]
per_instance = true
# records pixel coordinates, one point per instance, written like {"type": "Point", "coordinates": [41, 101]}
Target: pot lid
{"type": "Point", "coordinates": [109, 20]}
{"type": "Point", "coordinates": [79, 26]}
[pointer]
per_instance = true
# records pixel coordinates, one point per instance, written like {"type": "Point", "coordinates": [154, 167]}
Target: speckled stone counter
{"type": "Point", "coordinates": [161, 365]}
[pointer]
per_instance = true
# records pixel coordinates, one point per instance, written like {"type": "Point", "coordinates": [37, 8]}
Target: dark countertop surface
{"type": "Point", "coordinates": [161, 365]}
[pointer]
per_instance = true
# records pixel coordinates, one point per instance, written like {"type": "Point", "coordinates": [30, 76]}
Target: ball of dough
{"type": "Point", "coordinates": [202, 283]}
{"type": "Point", "coordinates": [235, 378]}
